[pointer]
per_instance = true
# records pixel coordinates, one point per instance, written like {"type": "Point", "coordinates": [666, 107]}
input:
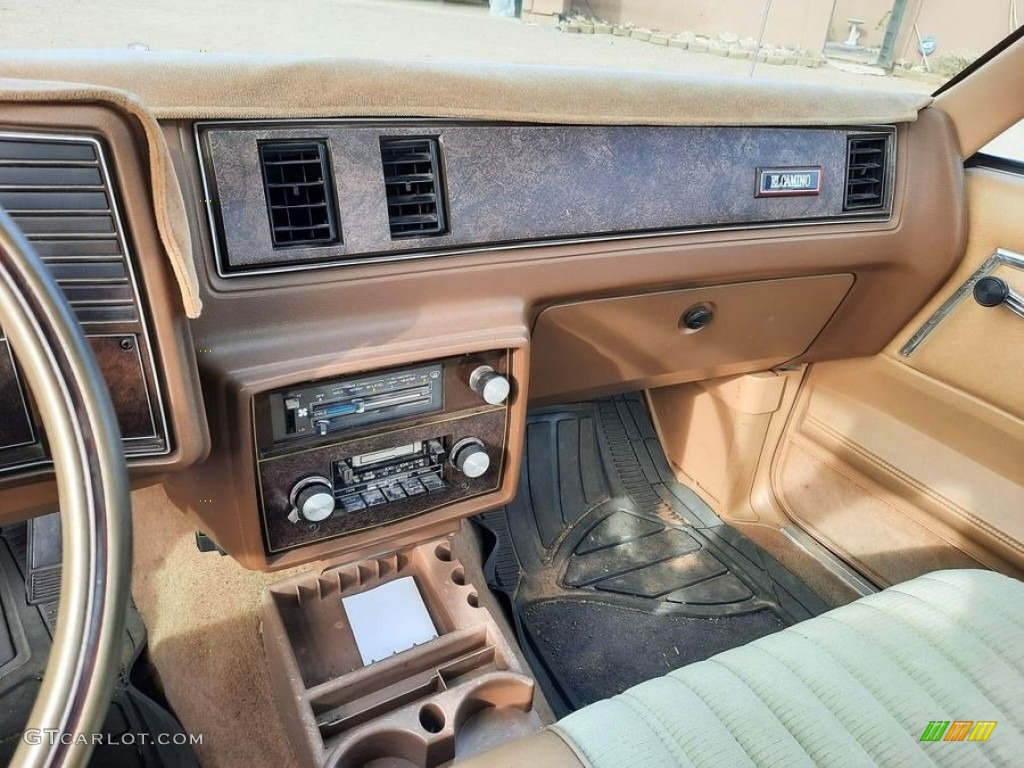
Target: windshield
{"type": "Point", "coordinates": [903, 44]}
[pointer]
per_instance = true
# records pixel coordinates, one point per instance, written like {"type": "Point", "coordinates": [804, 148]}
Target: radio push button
{"type": "Point", "coordinates": [432, 482]}
{"type": "Point", "coordinates": [353, 503]}
{"type": "Point", "coordinates": [413, 487]}
{"type": "Point", "coordinates": [393, 492]}
{"type": "Point", "coordinates": [373, 498]}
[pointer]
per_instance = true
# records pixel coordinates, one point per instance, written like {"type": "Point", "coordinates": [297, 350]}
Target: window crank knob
{"type": "Point", "coordinates": [991, 291]}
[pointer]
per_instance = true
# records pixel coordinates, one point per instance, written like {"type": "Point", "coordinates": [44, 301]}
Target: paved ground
{"type": "Point", "coordinates": [416, 29]}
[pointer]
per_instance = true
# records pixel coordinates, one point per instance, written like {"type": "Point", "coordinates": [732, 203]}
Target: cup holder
{"type": "Point", "coordinates": [499, 709]}
{"type": "Point", "coordinates": [497, 691]}
{"type": "Point", "coordinates": [393, 748]}
{"type": "Point", "coordinates": [458, 723]}
{"type": "Point", "coordinates": [452, 696]}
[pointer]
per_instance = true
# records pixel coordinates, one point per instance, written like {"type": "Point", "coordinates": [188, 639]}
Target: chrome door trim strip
{"type": "Point", "coordinates": [1001, 257]}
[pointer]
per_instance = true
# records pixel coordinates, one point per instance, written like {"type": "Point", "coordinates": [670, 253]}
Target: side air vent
{"type": "Point", "coordinates": [412, 179]}
{"type": "Point", "coordinates": [297, 183]}
{"type": "Point", "coordinates": [866, 163]}
{"type": "Point", "coordinates": [56, 192]}
{"type": "Point", "coordinates": [60, 191]}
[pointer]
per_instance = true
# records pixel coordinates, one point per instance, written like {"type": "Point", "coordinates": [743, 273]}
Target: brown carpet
{"type": "Point", "coordinates": [202, 611]}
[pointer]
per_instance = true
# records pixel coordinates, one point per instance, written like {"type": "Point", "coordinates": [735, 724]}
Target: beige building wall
{"type": "Point", "coordinates": [793, 23]}
{"type": "Point", "coordinates": [959, 26]}
{"type": "Point", "coordinates": [875, 15]}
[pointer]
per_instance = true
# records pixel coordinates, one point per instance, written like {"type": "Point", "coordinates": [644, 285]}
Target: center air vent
{"type": "Point", "coordinates": [866, 161]}
{"type": "Point", "coordinates": [297, 182]}
{"type": "Point", "coordinates": [412, 179]}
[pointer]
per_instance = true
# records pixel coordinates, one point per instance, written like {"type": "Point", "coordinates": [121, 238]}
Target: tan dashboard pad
{"type": "Point", "coordinates": [209, 85]}
{"type": "Point", "coordinates": [169, 204]}
{"type": "Point", "coordinates": [643, 341]}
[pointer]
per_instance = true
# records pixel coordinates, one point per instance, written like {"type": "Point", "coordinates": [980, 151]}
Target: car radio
{"type": "Point", "coordinates": [342, 455]}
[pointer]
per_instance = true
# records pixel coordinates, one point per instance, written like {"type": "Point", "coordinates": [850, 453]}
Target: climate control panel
{"type": "Point", "coordinates": [396, 444]}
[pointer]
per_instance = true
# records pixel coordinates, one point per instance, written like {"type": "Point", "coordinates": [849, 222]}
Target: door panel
{"type": "Point", "coordinates": [914, 459]}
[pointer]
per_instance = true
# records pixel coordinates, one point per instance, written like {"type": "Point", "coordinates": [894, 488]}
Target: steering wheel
{"type": "Point", "coordinates": [92, 484]}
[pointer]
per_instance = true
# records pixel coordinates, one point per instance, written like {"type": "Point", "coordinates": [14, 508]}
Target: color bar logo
{"type": "Point", "coordinates": [958, 730]}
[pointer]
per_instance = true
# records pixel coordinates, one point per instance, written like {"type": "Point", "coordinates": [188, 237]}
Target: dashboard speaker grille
{"type": "Point", "coordinates": [866, 163]}
{"type": "Point", "coordinates": [412, 179]}
{"type": "Point", "coordinates": [296, 179]}
{"type": "Point", "coordinates": [57, 193]}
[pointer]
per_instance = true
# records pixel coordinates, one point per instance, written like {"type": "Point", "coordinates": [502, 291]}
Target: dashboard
{"type": "Point", "coordinates": [384, 298]}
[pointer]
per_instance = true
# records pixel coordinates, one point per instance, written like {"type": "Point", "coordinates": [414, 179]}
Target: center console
{"type": "Point", "coordinates": [387, 656]}
{"type": "Point", "coordinates": [397, 697]}
{"type": "Point", "coordinates": [342, 455]}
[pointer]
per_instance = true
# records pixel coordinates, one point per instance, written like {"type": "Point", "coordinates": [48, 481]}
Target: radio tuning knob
{"type": "Point", "coordinates": [470, 457]}
{"type": "Point", "coordinates": [313, 498]}
{"type": "Point", "coordinates": [492, 387]}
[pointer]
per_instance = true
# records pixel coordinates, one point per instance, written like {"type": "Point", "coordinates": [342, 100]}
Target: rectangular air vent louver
{"type": "Point", "coordinates": [297, 183]}
{"type": "Point", "coordinates": [60, 191]}
{"type": "Point", "coordinates": [412, 179]}
{"type": "Point", "coordinates": [866, 164]}
{"type": "Point", "coordinates": [56, 192]}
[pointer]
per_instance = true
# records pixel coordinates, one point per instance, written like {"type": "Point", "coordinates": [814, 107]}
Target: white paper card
{"type": "Point", "coordinates": [388, 619]}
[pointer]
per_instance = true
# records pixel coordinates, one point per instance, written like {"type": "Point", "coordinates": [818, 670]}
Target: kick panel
{"type": "Point", "coordinates": [343, 455]}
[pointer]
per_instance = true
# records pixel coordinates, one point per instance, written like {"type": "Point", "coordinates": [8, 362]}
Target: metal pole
{"type": "Point", "coordinates": [760, 37]}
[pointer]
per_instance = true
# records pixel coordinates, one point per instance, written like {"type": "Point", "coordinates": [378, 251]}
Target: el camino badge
{"type": "Point", "coordinates": [779, 182]}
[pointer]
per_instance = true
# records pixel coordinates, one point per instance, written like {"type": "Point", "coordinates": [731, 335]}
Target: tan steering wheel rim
{"type": "Point", "coordinates": [85, 444]}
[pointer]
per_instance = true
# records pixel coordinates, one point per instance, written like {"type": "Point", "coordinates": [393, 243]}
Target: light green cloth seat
{"type": "Point", "coordinates": [857, 686]}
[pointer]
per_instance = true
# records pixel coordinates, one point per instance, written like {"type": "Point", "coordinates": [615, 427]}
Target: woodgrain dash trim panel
{"type": "Point", "coordinates": [510, 185]}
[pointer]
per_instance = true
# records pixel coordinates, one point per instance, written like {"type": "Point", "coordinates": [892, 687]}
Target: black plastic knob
{"type": "Point", "coordinates": [991, 291]}
{"type": "Point", "coordinates": [492, 387]}
{"type": "Point", "coordinates": [314, 499]}
{"type": "Point", "coordinates": [697, 317]}
{"type": "Point", "coordinates": [470, 457]}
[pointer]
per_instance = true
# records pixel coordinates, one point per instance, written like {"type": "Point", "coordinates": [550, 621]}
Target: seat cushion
{"type": "Point", "coordinates": [859, 685]}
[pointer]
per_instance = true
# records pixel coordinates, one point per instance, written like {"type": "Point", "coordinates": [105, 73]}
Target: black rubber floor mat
{"type": "Point", "coordinates": [137, 732]}
{"type": "Point", "coordinates": [614, 571]}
